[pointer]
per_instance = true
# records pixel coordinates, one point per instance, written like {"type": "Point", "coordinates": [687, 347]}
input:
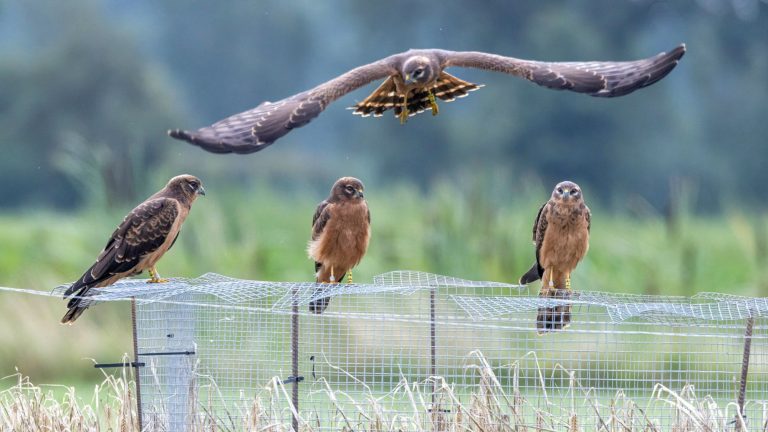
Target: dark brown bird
{"type": "Point", "coordinates": [146, 233]}
{"type": "Point", "coordinates": [341, 229]}
{"type": "Point", "coordinates": [413, 81]}
{"type": "Point", "coordinates": [561, 236]}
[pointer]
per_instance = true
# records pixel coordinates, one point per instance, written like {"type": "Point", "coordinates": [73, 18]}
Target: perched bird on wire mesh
{"type": "Point", "coordinates": [413, 82]}
{"type": "Point", "coordinates": [145, 234]}
{"type": "Point", "coordinates": [561, 236]}
{"type": "Point", "coordinates": [341, 230]}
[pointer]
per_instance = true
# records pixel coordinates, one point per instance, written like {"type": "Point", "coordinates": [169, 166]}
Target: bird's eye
{"type": "Point", "coordinates": [417, 73]}
{"type": "Point", "coordinates": [559, 190]}
{"type": "Point", "coordinates": [349, 188]}
{"type": "Point", "coordinates": [574, 191]}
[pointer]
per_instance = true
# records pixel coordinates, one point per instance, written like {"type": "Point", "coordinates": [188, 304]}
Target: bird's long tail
{"type": "Point", "coordinates": [557, 317]}
{"type": "Point", "coordinates": [320, 305]}
{"type": "Point", "coordinates": [77, 304]}
{"type": "Point", "coordinates": [532, 275]}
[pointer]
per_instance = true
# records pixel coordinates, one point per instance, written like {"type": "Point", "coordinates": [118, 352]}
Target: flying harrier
{"type": "Point", "coordinates": [146, 233]}
{"type": "Point", "coordinates": [561, 236]}
{"type": "Point", "coordinates": [341, 229]}
{"type": "Point", "coordinates": [413, 81]}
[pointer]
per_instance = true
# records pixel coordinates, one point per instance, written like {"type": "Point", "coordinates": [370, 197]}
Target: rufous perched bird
{"type": "Point", "coordinates": [561, 236]}
{"type": "Point", "coordinates": [341, 230]}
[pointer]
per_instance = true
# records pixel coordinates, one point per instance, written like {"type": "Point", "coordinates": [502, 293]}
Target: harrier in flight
{"type": "Point", "coordinates": [341, 229]}
{"type": "Point", "coordinates": [561, 236]}
{"type": "Point", "coordinates": [413, 82]}
{"type": "Point", "coordinates": [146, 233]}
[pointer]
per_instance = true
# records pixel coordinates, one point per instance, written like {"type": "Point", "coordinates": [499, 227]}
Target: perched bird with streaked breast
{"type": "Point", "coordinates": [561, 237]}
{"type": "Point", "coordinates": [141, 239]}
{"type": "Point", "coordinates": [341, 230]}
{"type": "Point", "coordinates": [413, 81]}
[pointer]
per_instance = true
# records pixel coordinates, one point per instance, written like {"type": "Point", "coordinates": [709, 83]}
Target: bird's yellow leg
{"type": "Point", "coordinates": [433, 103]}
{"type": "Point", "coordinates": [404, 112]}
{"type": "Point", "coordinates": [332, 278]}
{"type": "Point", "coordinates": [349, 276]}
{"type": "Point", "coordinates": [155, 276]}
{"type": "Point", "coordinates": [568, 281]}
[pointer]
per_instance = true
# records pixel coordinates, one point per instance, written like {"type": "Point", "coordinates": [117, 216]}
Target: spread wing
{"type": "Point", "coordinates": [255, 129]}
{"type": "Point", "coordinates": [597, 78]}
{"type": "Point", "coordinates": [142, 231]}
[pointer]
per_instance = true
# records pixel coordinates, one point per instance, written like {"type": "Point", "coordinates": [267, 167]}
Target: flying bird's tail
{"type": "Point", "coordinates": [532, 275]}
{"type": "Point", "coordinates": [78, 303]}
{"type": "Point", "coordinates": [447, 88]}
{"type": "Point", "coordinates": [557, 317]}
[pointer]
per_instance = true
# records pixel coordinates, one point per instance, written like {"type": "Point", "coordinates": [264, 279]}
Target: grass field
{"type": "Point", "coordinates": [408, 406]}
{"type": "Point", "coordinates": [475, 232]}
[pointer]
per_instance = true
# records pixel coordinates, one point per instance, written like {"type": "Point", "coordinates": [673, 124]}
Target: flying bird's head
{"type": "Point", "coordinates": [417, 70]}
{"type": "Point", "coordinates": [347, 189]}
{"type": "Point", "coordinates": [567, 192]}
{"type": "Point", "coordinates": [187, 186]}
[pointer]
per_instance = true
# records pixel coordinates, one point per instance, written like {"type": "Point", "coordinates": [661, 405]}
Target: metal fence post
{"type": "Point", "coordinates": [295, 357]}
{"type": "Point", "coordinates": [136, 367]}
{"type": "Point", "coordinates": [744, 371]}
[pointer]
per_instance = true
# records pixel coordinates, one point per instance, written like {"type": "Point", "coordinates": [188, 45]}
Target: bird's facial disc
{"type": "Point", "coordinates": [417, 70]}
{"type": "Point", "coordinates": [348, 188]}
{"type": "Point", "coordinates": [195, 187]}
{"type": "Point", "coordinates": [353, 191]}
{"type": "Point", "coordinates": [566, 191]}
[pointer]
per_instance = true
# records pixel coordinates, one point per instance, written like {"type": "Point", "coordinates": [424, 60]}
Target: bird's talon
{"type": "Point", "coordinates": [404, 116]}
{"type": "Point", "coordinates": [154, 276]}
{"type": "Point", "coordinates": [158, 280]}
{"type": "Point", "coordinates": [433, 104]}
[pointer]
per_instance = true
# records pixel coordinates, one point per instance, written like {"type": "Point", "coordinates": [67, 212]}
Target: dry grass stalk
{"type": "Point", "coordinates": [433, 406]}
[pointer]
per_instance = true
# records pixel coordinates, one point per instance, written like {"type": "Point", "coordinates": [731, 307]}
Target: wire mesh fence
{"type": "Point", "coordinates": [417, 351]}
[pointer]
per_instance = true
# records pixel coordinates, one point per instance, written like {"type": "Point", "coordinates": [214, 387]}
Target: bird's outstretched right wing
{"type": "Point", "coordinates": [595, 78]}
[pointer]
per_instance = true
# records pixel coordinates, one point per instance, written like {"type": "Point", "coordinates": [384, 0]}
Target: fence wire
{"type": "Point", "coordinates": [419, 351]}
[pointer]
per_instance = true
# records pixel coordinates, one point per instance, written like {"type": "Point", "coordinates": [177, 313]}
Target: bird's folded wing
{"type": "Point", "coordinates": [142, 232]}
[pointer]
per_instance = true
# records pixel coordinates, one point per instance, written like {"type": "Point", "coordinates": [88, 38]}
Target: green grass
{"type": "Point", "coordinates": [473, 232]}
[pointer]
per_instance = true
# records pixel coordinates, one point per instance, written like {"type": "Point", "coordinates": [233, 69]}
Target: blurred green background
{"type": "Point", "coordinates": [675, 174]}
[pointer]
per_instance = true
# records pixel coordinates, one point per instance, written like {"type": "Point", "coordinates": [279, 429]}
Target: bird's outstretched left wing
{"type": "Point", "coordinates": [255, 129]}
{"type": "Point", "coordinates": [595, 78]}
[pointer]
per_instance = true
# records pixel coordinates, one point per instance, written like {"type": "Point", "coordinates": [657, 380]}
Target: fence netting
{"type": "Point", "coordinates": [425, 352]}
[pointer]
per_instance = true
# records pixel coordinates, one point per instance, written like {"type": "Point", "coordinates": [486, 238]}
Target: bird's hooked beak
{"type": "Point", "coordinates": [360, 193]}
{"type": "Point", "coordinates": [409, 79]}
{"type": "Point", "coordinates": [200, 191]}
{"type": "Point", "coordinates": [566, 193]}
